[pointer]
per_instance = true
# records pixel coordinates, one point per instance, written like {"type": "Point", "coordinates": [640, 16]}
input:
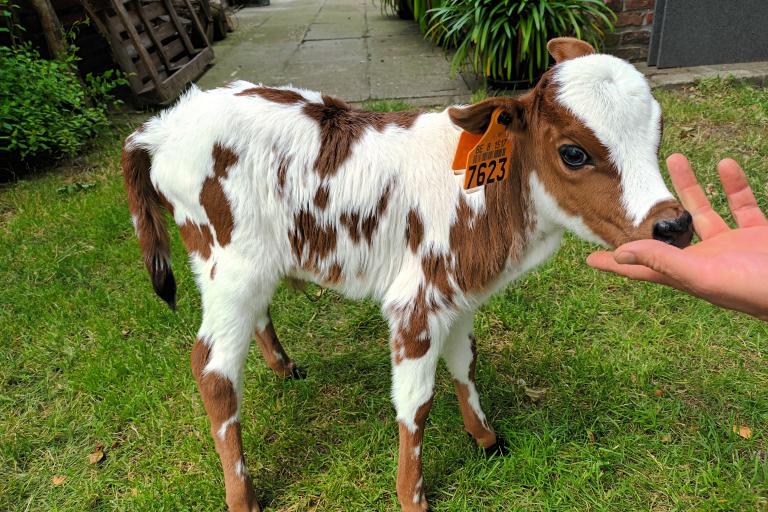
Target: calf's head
{"type": "Point", "coordinates": [586, 140]}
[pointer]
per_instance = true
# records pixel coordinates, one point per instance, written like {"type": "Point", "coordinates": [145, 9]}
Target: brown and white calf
{"type": "Point", "coordinates": [266, 183]}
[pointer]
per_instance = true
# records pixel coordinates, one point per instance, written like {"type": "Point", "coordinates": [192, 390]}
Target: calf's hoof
{"type": "Point", "coordinates": [499, 448]}
{"type": "Point", "coordinates": [297, 373]}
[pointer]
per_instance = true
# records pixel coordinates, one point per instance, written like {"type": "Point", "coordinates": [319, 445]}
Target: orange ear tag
{"type": "Point", "coordinates": [483, 159]}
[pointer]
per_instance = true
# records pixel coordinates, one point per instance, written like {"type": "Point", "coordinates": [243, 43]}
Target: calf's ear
{"type": "Point", "coordinates": [476, 118]}
{"type": "Point", "coordinates": [566, 48]}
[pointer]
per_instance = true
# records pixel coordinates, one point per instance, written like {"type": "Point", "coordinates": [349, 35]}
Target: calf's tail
{"type": "Point", "coordinates": [149, 220]}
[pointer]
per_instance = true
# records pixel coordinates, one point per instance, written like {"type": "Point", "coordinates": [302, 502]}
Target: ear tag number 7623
{"type": "Point", "coordinates": [487, 161]}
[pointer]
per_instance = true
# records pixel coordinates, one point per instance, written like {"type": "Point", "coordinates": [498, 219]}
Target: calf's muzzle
{"type": "Point", "coordinates": [677, 232]}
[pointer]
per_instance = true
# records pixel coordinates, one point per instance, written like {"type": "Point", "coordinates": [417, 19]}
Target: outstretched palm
{"type": "Point", "coordinates": [729, 267]}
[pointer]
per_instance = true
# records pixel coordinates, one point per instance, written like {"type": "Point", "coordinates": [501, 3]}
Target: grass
{"type": "Point", "coordinates": [644, 383]}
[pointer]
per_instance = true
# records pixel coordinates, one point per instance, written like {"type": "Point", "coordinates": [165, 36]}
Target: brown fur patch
{"type": "Point", "coordinates": [436, 272]}
{"type": "Point", "coordinates": [213, 271]}
{"type": "Point", "coordinates": [282, 96]}
{"type": "Point", "coordinates": [365, 227]}
{"type": "Point", "coordinates": [351, 221]}
{"type": "Point", "coordinates": [341, 126]}
{"type": "Point", "coordinates": [409, 463]}
{"type": "Point", "coordinates": [334, 273]}
{"type": "Point", "coordinates": [414, 230]}
{"type": "Point", "coordinates": [283, 162]}
{"type": "Point", "coordinates": [411, 340]}
{"type": "Point", "coordinates": [197, 238]}
{"type": "Point", "coordinates": [307, 233]}
{"type": "Point", "coordinates": [481, 244]}
{"type": "Point", "coordinates": [212, 195]}
{"type": "Point", "coordinates": [321, 197]}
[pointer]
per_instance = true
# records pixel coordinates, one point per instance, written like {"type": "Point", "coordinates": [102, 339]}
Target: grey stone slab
{"type": "Point", "coordinates": [345, 48]}
{"type": "Point", "coordinates": [324, 31]}
{"type": "Point", "coordinates": [330, 51]}
{"type": "Point", "coordinates": [698, 32]}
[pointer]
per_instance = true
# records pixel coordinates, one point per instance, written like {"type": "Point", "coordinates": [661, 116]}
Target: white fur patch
{"type": "Point", "coordinates": [613, 99]}
{"type": "Point", "coordinates": [222, 433]}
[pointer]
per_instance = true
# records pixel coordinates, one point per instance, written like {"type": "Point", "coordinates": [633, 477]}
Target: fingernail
{"type": "Point", "coordinates": [625, 258]}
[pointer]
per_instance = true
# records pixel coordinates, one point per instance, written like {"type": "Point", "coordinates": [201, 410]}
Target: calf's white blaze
{"type": "Point", "coordinates": [613, 99]}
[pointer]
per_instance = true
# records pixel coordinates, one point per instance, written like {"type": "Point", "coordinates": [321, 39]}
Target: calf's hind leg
{"type": "Point", "coordinates": [218, 357]}
{"type": "Point", "coordinates": [274, 353]}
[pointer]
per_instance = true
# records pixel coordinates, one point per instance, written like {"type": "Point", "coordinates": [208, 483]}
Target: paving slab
{"type": "Point", "coordinates": [346, 48]}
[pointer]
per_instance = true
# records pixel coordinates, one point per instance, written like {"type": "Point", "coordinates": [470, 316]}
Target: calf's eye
{"type": "Point", "coordinates": [573, 156]}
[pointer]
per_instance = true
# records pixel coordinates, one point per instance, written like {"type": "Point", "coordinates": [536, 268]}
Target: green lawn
{"type": "Point", "coordinates": [644, 384]}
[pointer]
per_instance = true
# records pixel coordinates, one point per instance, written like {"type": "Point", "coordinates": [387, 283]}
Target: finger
{"type": "Point", "coordinates": [740, 197]}
{"type": "Point", "coordinates": [604, 260]}
{"type": "Point", "coordinates": [706, 221]}
{"type": "Point", "coordinates": [680, 268]}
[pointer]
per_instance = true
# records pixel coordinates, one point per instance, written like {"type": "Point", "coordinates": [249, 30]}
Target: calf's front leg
{"type": "Point", "coordinates": [415, 351]}
{"type": "Point", "coordinates": [460, 355]}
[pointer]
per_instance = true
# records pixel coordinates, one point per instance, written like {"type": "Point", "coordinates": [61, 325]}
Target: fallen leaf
{"type": "Point", "coordinates": [58, 479]}
{"type": "Point", "coordinates": [97, 456]}
{"type": "Point", "coordinates": [666, 438]}
{"type": "Point", "coordinates": [536, 394]}
{"type": "Point", "coordinates": [743, 431]}
{"type": "Point", "coordinates": [591, 437]}
{"type": "Point", "coordinates": [633, 378]}
{"type": "Point", "coordinates": [125, 332]}
{"type": "Point", "coordinates": [658, 392]}
{"type": "Point", "coordinates": [134, 492]}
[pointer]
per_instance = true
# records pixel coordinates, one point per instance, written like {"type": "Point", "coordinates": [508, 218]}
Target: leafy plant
{"type": "Point", "coordinates": [507, 39]}
{"type": "Point", "coordinates": [46, 109]}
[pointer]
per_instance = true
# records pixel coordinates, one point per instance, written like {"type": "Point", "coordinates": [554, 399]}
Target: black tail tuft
{"type": "Point", "coordinates": [164, 283]}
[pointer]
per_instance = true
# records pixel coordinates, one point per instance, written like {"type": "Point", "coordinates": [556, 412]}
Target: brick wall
{"type": "Point", "coordinates": [632, 36]}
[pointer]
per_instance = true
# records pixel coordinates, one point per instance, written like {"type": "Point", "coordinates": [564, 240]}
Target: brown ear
{"type": "Point", "coordinates": [565, 48]}
{"type": "Point", "coordinates": [476, 118]}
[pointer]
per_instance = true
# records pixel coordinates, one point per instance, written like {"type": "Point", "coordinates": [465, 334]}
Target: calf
{"type": "Point", "coordinates": [266, 183]}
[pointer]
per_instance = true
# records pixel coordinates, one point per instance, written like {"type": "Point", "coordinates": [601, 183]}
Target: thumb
{"type": "Point", "coordinates": [663, 258]}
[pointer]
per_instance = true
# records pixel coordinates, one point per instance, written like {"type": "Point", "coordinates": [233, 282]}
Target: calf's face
{"type": "Point", "coordinates": [588, 136]}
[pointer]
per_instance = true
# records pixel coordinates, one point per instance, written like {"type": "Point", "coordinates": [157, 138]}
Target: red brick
{"type": "Point", "coordinates": [612, 40]}
{"type": "Point", "coordinates": [615, 5]}
{"type": "Point", "coordinates": [636, 36]}
{"type": "Point", "coordinates": [632, 53]}
{"type": "Point", "coordinates": [631, 5]}
{"type": "Point", "coordinates": [628, 19]}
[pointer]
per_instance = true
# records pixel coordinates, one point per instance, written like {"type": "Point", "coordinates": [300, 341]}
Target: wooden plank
{"type": "Point", "coordinates": [151, 32]}
{"type": "Point", "coordinates": [196, 21]}
{"type": "Point", "coordinates": [174, 49]}
{"type": "Point", "coordinates": [194, 68]}
{"type": "Point", "coordinates": [176, 82]}
{"type": "Point", "coordinates": [134, 36]}
{"type": "Point", "coordinates": [179, 26]}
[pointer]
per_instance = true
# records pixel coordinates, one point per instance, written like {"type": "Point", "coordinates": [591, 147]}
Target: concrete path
{"type": "Point", "coordinates": [345, 48]}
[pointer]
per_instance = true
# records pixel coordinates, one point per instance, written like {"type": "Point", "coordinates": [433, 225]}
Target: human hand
{"type": "Point", "coordinates": [728, 267]}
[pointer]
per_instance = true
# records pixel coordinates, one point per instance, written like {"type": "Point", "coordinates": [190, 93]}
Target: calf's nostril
{"type": "Point", "coordinates": [676, 232]}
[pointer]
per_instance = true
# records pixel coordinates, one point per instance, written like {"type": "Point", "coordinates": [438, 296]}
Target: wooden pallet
{"type": "Point", "coordinates": [159, 51]}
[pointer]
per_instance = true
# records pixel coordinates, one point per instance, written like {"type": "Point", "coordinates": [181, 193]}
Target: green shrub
{"type": "Point", "coordinates": [507, 39]}
{"type": "Point", "coordinates": [47, 110]}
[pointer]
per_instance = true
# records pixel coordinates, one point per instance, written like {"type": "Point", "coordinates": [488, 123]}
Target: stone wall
{"type": "Point", "coordinates": [632, 36]}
